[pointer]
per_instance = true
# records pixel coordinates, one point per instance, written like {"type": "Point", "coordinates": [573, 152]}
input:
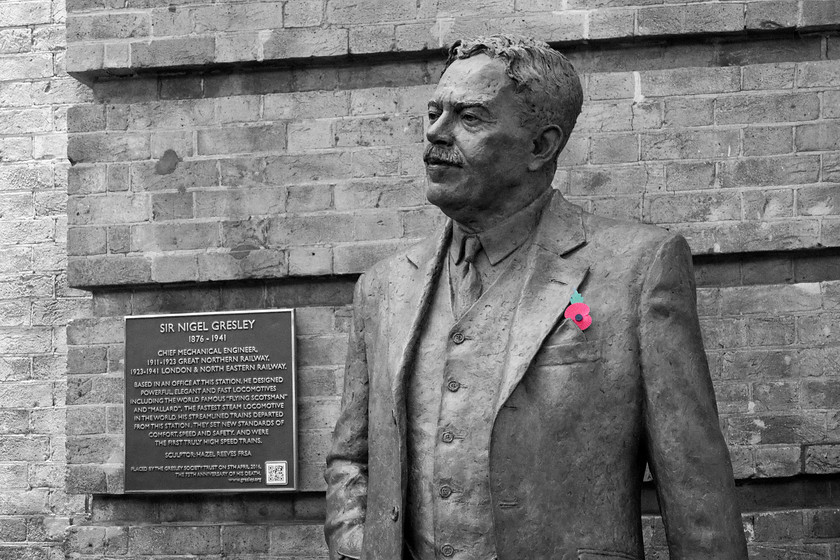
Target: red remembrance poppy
{"type": "Point", "coordinates": [579, 313]}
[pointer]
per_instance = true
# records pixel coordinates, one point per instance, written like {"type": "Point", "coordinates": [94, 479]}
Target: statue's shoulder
{"type": "Point", "coordinates": [623, 236]}
{"type": "Point", "coordinates": [406, 260]}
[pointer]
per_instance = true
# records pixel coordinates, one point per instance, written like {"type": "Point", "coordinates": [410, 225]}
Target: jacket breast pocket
{"type": "Point", "coordinates": [574, 353]}
{"type": "Point", "coordinates": [592, 554]}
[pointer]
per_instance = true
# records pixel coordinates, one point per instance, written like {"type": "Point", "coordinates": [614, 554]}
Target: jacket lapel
{"type": "Point", "coordinates": [550, 281]}
{"type": "Point", "coordinates": [412, 299]}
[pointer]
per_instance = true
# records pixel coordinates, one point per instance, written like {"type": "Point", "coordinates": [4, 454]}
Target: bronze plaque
{"type": "Point", "coordinates": [210, 402]}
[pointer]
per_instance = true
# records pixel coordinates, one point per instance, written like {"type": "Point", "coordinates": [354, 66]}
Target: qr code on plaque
{"type": "Point", "coordinates": [276, 472]}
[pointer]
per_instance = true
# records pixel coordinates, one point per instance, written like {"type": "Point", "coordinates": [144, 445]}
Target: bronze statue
{"type": "Point", "coordinates": [508, 380]}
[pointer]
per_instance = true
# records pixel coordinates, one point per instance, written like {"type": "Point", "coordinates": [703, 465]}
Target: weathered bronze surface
{"type": "Point", "coordinates": [210, 402]}
{"type": "Point", "coordinates": [478, 421]}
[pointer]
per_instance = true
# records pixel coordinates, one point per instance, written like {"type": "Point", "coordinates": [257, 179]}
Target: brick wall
{"type": "Point", "coordinates": [197, 185]}
{"type": "Point", "coordinates": [245, 181]}
{"type": "Point", "coordinates": [142, 34]}
{"type": "Point", "coordinates": [35, 300]}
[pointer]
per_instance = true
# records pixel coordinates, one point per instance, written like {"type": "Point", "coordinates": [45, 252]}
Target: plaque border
{"type": "Point", "coordinates": [293, 487]}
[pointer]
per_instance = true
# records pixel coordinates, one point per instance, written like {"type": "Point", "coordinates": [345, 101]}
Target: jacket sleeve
{"type": "Point", "coordinates": [346, 472]}
{"type": "Point", "coordinates": [686, 450]}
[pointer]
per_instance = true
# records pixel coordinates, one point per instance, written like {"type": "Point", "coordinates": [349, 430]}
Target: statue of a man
{"type": "Point", "coordinates": [508, 380]}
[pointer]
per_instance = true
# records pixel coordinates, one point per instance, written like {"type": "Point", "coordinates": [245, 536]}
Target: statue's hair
{"type": "Point", "coordinates": [546, 82]}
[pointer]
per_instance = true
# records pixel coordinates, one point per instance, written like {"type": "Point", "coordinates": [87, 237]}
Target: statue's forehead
{"type": "Point", "coordinates": [475, 79]}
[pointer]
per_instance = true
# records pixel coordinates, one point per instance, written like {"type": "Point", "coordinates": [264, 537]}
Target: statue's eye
{"type": "Point", "coordinates": [433, 115]}
{"type": "Point", "coordinates": [469, 118]}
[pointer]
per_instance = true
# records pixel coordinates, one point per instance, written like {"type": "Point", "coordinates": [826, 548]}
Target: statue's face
{"type": "Point", "coordinates": [478, 148]}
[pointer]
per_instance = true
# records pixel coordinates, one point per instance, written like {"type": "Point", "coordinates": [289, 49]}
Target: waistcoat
{"type": "Point", "coordinates": [450, 401]}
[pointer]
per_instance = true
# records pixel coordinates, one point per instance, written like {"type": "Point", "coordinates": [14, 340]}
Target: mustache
{"type": "Point", "coordinates": [440, 154]}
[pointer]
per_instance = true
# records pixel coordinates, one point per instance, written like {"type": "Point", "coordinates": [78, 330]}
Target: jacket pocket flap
{"type": "Point", "coordinates": [558, 354]}
{"type": "Point", "coordinates": [590, 554]}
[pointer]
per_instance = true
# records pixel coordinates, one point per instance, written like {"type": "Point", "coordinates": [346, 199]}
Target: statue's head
{"type": "Point", "coordinates": [502, 112]}
{"type": "Point", "coordinates": [547, 85]}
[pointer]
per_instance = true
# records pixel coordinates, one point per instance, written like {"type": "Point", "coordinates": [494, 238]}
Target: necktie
{"type": "Point", "coordinates": [469, 281]}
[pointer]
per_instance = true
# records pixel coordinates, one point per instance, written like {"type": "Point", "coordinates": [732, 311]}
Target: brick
{"type": "Point", "coordinates": [349, 12]}
{"type": "Point", "coordinates": [317, 104]}
{"type": "Point", "coordinates": [84, 420]}
{"type": "Point", "coordinates": [240, 203]}
{"type": "Point", "coordinates": [175, 268]}
{"type": "Point", "coordinates": [660, 20]}
{"type": "Point", "coordinates": [302, 14]}
{"type": "Point", "coordinates": [831, 104]}
{"type": "Point", "coordinates": [616, 180]}
{"type": "Point", "coordinates": [820, 394]}
{"type": "Point", "coordinates": [824, 73]}
{"type": "Point", "coordinates": [378, 131]}
{"type": "Point", "coordinates": [108, 26]}
{"type": "Point", "coordinates": [172, 114]}
{"type": "Point", "coordinates": [372, 39]}
{"type": "Point", "coordinates": [621, 148]}
{"type": "Point", "coordinates": [176, 52]}
{"type": "Point", "coordinates": [773, 462]}
{"type": "Point", "coordinates": [606, 24]}
{"type": "Point", "coordinates": [779, 429]}
{"type": "Point", "coordinates": [766, 204]}
{"type": "Point", "coordinates": [114, 208]}
{"type": "Point", "coordinates": [707, 18]}
{"type": "Point", "coordinates": [819, 13]}
{"type": "Point", "coordinates": [822, 136]}
{"type": "Point", "coordinates": [605, 117]}
{"type": "Point", "coordinates": [303, 539]}
{"type": "Point", "coordinates": [768, 76]}
{"type": "Point", "coordinates": [105, 271]}
{"type": "Point", "coordinates": [245, 262]}
{"type": "Point", "coordinates": [174, 540]}
{"type": "Point", "coordinates": [688, 111]}
{"type": "Point", "coordinates": [822, 459]}
{"type": "Point", "coordinates": [687, 81]}
{"type": "Point", "coordinates": [778, 526]}
{"type": "Point", "coordinates": [31, 13]}
{"type": "Point", "coordinates": [771, 15]}
{"type": "Point", "coordinates": [705, 207]}
{"type": "Point", "coordinates": [818, 201]}
{"type": "Point", "coordinates": [24, 448]}
{"type": "Point", "coordinates": [263, 138]}
{"type": "Point", "coordinates": [379, 193]}
{"type": "Point", "coordinates": [15, 40]}
{"type": "Point", "coordinates": [306, 43]}
{"type": "Point", "coordinates": [695, 144]}
{"type": "Point", "coordinates": [99, 146]}
{"type": "Point", "coordinates": [149, 176]}
{"type": "Point", "coordinates": [762, 172]}
{"type": "Point", "coordinates": [85, 241]}
{"type": "Point", "coordinates": [766, 108]}
{"type": "Point", "coordinates": [760, 141]}
{"type": "Point", "coordinates": [310, 261]}
{"type": "Point", "coordinates": [176, 236]}
{"type": "Point", "coordinates": [690, 176]}
{"type": "Point", "coordinates": [611, 85]}
{"type": "Point", "coordinates": [550, 26]}
{"type": "Point", "coordinates": [172, 206]}
{"type": "Point", "coordinates": [310, 135]}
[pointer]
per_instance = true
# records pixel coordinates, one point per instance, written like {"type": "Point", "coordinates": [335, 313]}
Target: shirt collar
{"type": "Point", "coordinates": [500, 241]}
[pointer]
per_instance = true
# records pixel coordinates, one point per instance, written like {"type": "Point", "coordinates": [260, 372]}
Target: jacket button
{"type": "Point", "coordinates": [457, 337]}
{"type": "Point", "coordinates": [447, 437]}
{"type": "Point", "coordinates": [445, 492]}
{"type": "Point", "coordinates": [395, 513]}
{"type": "Point", "coordinates": [453, 385]}
{"type": "Point", "coordinates": [447, 550]}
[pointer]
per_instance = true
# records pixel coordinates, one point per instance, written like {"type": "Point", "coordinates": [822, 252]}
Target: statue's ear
{"type": "Point", "coordinates": [547, 144]}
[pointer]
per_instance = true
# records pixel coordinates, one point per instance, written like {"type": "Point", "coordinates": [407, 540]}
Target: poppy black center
{"type": "Point", "coordinates": [578, 317]}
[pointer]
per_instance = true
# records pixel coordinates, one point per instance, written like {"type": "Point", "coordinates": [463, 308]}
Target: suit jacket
{"type": "Point", "coordinates": [579, 413]}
